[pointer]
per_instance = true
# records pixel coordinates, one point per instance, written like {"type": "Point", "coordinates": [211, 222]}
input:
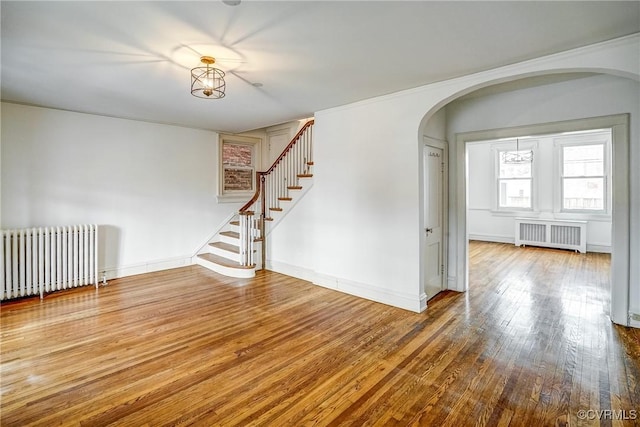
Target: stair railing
{"type": "Point", "coordinates": [272, 187]}
{"type": "Point", "coordinates": [246, 238]}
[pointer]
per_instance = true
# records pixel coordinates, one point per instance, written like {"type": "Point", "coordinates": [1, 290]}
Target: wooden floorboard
{"type": "Point", "coordinates": [530, 344]}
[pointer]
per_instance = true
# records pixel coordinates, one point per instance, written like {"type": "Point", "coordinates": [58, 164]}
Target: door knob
{"type": "Point", "coordinates": [429, 230]}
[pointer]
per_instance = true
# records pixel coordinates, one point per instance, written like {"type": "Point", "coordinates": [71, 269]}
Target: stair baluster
{"type": "Point", "coordinates": [270, 187]}
{"type": "Point", "coordinates": [246, 238]}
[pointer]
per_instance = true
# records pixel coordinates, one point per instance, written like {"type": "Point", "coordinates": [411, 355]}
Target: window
{"type": "Point", "coordinates": [238, 162]}
{"type": "Point", "coordinates": [563, 175]}
{"type": "Point", "coordinates": [584, 177]}
{"type": "Point", "coordinates": [515, 179]}
{"type": "Point", "coordinates": [238, 167]}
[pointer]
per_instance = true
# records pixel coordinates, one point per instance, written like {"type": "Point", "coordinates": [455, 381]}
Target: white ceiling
{"type": "Point", "coordinates": [132, 59]}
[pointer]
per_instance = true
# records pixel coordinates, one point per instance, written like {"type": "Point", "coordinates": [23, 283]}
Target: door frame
{"type": "Point", "coordinates": [444, 146]}
{"type": "Point", "coordinates": [272, 132]}
{"type": "Point", "coordinates": [620, 218]}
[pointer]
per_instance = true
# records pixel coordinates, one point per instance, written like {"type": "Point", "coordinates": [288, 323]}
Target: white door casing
{"type": "Point", "coordinates": [619, 124]}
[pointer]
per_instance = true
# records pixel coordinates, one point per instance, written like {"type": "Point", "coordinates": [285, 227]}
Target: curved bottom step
{"type": "Point", "coordinates": [226, 266]}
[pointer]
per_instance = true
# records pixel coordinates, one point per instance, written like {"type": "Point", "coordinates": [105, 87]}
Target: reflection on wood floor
{"type": "Point", "coordinates": [530, 344]}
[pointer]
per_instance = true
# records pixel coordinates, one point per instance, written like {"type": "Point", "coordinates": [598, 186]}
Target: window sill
{"type": "Point", "coordinates": [234, 198]}
{"type": "Point", "coordinates": [583, 216]}
{"type": "Point", "coordinates": [563, 216]}
{"type": "Point", "coordinates": [521, 213]}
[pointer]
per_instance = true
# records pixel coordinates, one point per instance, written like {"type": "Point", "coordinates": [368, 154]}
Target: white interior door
{"type": "Point", "coordinates": [277, 141]}
{"type": "Point", "coordinates": [433, 218]}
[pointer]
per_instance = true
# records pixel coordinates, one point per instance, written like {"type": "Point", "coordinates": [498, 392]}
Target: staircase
{"type": "Point", "coordinates": [238, 249]}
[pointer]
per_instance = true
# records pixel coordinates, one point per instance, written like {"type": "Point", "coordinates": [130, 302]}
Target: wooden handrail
{"type": "Point", "coordinates": [247, 221]}
{"type": "Point", "coordinates": [291, 144]}
{"type": "Point", "coordinates": [259, 175]}
{"type": "Point", "coordinates": [255, 195]}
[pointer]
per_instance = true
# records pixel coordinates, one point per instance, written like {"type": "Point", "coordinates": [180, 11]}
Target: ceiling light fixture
{"type": "Point", "coordinates": [206, 81]}
{"type": "Point", "coordinates": [517, 157]}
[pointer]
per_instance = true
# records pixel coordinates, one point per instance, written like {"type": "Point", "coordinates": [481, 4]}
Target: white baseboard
{"type": "Point", "coordinates": [452, 284]}
{"type": "Point", "coordinates": [362, 290]}
{"type": "Point", "coordinates": [147, 267]}
{"type": "Point", "coordinates": [603, 249]}
{"type": "Point", "coordinates": [634, 318]}
{"type": "Point", "coordinates": [370, 292]}
{"type": "Point", "coordinates": [291, 270]}
{"type": "Point", "coordinates": [423, 302]}
{"type": "Point", "coordinates": [492, 238]}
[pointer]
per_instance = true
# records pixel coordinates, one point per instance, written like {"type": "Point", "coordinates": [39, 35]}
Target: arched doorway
{"type": "Point", "coordinates": [458, 231]}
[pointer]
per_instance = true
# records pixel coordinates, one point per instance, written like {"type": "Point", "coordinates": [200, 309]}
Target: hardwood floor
{"type": "Point", "coordinates": [530, 344]}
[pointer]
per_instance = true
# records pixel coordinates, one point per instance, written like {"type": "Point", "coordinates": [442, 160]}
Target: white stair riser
{"type": "Point", "coordinates": [246, 273]}
{"type": "Point", "coordinates": [229, 240]}
{"type": "Point", "coordinates": [225, 254]}
{"type": "Point", "coordinates": [236, 228]}
{"type": "Point", "coordinates": [235, 257]}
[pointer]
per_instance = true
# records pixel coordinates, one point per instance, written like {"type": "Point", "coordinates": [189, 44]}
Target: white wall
{"type": "Point", "coordinates": [485, 223]}
{"type": "Point", "coordinates": [367, 202]}
{"type": "Point", "coordinates": [290, 242]}
{"type": "Point", "coordinates": [436, 126]}
{"type": "Point", "coordinates": [150, 187]}
{"type": "Point", "coordinates": [366, 197]}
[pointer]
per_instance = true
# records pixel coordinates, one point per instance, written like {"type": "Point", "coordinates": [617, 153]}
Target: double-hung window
{"type": "Point", "coordinates": [238, 166]}
{"type": "Point", "coordinates": [515, 178]}
{"type": "Point", "coordinates": [239, 157]}
{"type": "Point", "coordinates": [584, 173]}
{"type": "Point", "coordinates": [567, 175]}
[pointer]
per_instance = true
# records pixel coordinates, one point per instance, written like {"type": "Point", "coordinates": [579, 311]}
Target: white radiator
{"type": "Point", "coordinates": [38, 260]}
{"type": "Point", "coordinates": [561, 234]}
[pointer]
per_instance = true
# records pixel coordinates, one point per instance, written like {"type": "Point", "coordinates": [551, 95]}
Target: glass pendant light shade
{"type": "Point", "coordinates": [518, 156]}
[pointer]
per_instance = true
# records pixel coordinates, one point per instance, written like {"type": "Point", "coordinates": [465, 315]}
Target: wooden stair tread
{"type": "Point", "coordinates": [294, 187]}
{"type": "Point", "coordinates": [276, 209]}
{"type": "Point", "coordinates": [286, 199]}
{"type": "Point", "coordinates": [232, 234]}
{"type": "Point", "coordinates": [224, 261]}
{"type": "Point", "coordinates": [268, 218]}
{"type": "Point", "coordinates": [226, 247]}
{"type": "Point", "coordinates": [305, 175]}
{"type": "Point", "coordinates": [235, 223]}
{"type": "Point", "coordinates": [310, 163]}
{"type": "Point", "coordinates": [236, 235]}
